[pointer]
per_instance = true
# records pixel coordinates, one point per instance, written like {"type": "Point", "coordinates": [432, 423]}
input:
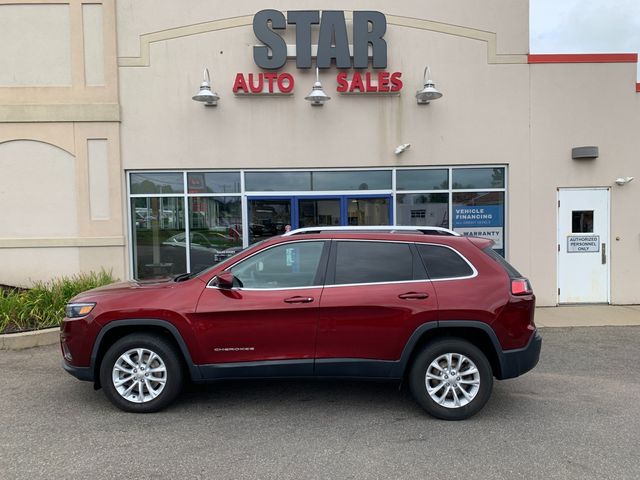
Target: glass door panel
{"type": "Point", "coordinates": [159, 243]}
{"type": "Point", "coordinates": [368, 211]}
{"type": "Point", "coordinates": [268, 217]}
{"type": "Point", "coordinates": [318, 212]}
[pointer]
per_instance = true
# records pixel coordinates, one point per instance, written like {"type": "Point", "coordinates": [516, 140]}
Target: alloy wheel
{"type": "Point", "coordinates": [139, 375]}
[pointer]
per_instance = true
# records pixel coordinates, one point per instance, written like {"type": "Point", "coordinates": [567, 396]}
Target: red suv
{"type": "Point", "coordinates": [442, 311]}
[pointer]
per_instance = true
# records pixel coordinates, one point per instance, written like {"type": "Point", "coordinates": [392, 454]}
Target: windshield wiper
{"type": "Point", "coordinates": [182, 277]}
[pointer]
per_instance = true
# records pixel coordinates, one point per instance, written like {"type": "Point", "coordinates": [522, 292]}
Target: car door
{"type": "Point", "coordinates": [377, 294]}
{"type": "Point", "coordinates": [270, 316]}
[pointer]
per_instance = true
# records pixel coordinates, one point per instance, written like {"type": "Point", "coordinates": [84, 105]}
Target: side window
{"type": "Point", "coordinates": [442, 262]}
{"type": "Point", "coordinates": [284, 266]}
{"type": "Point", "coordinates": [373, 262]}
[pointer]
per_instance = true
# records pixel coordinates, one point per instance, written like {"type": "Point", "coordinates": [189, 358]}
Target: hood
{"type": "Point", "coordinates": [122, 287]}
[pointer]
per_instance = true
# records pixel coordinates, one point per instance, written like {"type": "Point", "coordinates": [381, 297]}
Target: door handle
{"type": "Point", "coordinates": [604, 254]}
{"type": "Point", "coordinates": [413, 295]}
{"type": "Point", "coordinates": [298, 299]}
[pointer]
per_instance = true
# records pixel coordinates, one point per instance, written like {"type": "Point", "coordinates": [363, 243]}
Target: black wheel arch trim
{"type": "Point", "coordinates": [511, 363]}
{"type": "Point", "coordinates": [175, 333]}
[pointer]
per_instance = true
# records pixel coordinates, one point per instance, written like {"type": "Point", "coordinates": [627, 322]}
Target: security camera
{"type": "Point", "coordinates": [401, 148]}
{"type": "Point", "coordinates": [623, 180]}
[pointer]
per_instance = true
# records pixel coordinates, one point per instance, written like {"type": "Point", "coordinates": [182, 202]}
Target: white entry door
{"type": "Point", "coordinates": [583, 245]}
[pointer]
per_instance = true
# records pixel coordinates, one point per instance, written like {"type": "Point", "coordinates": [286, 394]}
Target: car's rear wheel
{"type": "Point", "coordinates": [141, 373]}
{"type": "Point", "coordinates": [451, 379]}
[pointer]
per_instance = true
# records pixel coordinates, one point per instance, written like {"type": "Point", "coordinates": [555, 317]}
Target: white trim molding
{"type": "Point", "coordinates": [490, 38]}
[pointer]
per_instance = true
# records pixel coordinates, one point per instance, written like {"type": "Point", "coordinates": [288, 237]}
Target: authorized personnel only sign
{"type": "Point", "coordinates": [582, 243]}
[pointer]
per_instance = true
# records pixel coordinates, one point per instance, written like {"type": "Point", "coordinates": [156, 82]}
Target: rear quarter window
{"type": "Point", "coordinates": [443, 262]}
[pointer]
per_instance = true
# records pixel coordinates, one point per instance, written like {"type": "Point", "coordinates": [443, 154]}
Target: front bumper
{"type": "Point", "coordinates": [81, 373]}
{"type": "Point", "coordinates": [516, 362]}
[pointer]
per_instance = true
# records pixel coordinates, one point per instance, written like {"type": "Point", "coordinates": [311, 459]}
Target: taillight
{"type": "Point", "coordinates": [520, 286]}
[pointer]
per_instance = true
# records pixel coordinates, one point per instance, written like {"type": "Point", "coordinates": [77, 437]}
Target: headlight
{"type": "Point", "coordinates": [78, 310]}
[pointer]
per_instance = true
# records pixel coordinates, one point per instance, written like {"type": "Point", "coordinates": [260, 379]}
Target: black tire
{"type": "Point", "coordinates": [174, 376]}
{"type": "Point", "coordinates": [418, 379]}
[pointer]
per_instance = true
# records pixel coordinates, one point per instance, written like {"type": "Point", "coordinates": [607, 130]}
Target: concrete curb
{"type": "Point", "coordinates": [36, 338]}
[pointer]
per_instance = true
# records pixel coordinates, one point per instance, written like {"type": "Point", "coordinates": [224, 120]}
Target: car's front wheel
{"type": "Point", "coordinates": [141, 373]}
{"type": "Point", "coordinates": [451, 379]}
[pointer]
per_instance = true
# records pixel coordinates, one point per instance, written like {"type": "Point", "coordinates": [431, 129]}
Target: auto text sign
{"type": "Point", "coordinates": [477, 216]}
{"type": "Point", "coordinates": [492, 233]}
{"type": "Point", "coordinates": [484, 221]}
{"type": "Point", "coordinates": [583, 243]}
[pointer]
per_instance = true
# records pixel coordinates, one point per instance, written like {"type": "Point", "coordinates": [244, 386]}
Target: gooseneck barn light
{"type": "Point", "coordinates": [205, 95]}
{"type": "Point", "coordinates": [317, 97]}
{"type": "Point", "coordinates": [429, 91]}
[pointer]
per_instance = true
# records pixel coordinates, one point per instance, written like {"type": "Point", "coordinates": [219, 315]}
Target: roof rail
{"type": "Point", "coordinates": [425, 230]}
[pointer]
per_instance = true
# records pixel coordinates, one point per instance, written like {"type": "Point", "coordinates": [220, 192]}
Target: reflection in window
{"type": "Point", "coordinates": [284, 266]}
{"type": "Point", "coordinates": [213, 182]}
{"type": "Point", "coordinates": [423, 209]}
{"type": "Point", "coordinates": [149, 183]}
{"type": "Point", "coordinates": [216, 230]}
{"type": "Point", "coordinates": [442, 262]}
{"type": "Point", "coordinates": [468, 178]}
{"type": "Point", "coordinates": [268, 218]}
{"type": "Point", "coordinates": [277, 181]}
{"type": "Point", "coordinates": [355, 180]}
{"type": "Point", "coordinates": [315, 213]}
{"type": "Point", "coordinates": [430, 179]}
{"type": "Point", "coordinates": [371, 262]}
{"type": "Point", "coordinates": [582, 221]}
{"type": "Point", "coordinates": [158, 237]}
{"type": "Point", "coordinates": [480, 214]}
{"type": "Point", "coordinates": [368, 211]}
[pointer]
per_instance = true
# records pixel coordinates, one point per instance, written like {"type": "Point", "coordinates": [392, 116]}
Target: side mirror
{"type": "Point", "coordinates": [224, 280]}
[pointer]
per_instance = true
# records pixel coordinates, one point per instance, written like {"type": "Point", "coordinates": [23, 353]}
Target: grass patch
{"type": "Point", "coordinates": [43, 305]}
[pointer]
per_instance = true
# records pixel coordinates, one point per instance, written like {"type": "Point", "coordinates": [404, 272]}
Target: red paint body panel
{"type": "Point", "coordinates": [370, 321]}
{"type": "Point", "coordinates": [362, 321]}
{"type": "Point", "coordinates": [487, 298]}
{"type": "Point", "coordinates": [255, 325]}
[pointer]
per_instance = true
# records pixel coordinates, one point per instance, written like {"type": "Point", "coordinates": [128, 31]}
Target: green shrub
{"type": "Point", "coordinates": [43, 305]}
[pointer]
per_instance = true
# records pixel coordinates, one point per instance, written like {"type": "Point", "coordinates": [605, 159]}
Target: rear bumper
{"type": "Point", "coordinates": [81, 373]}
{"type": "Point", "coordinates": [516, 362]}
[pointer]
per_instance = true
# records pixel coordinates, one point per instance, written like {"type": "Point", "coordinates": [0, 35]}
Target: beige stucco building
{"type": "Point", "coordinates": [106, 161]}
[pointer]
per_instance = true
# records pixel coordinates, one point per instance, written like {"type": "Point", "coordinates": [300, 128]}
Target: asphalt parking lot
{"type": "Point", "coordinates": [577, 415]}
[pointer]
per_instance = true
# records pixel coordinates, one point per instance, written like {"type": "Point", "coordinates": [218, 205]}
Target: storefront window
{"type": "Point", "coordinates": [215, 225]}
{"type": "Point", "coordinates": [167, 240]}
{"type": "Point", "coordinates": [368, 211]}
{"type": "Point", "coordinates": [158, 236]}
{"type": "Point", "coordinates": [213, 182]}
{"type": "Point", "coordinates": [150, 183]}
{"type": "Point", "coordinates": [351, 180]}
{"type": "Point", "coordinates": [433, 179]}
{"type": "Point", "coordinates": [480, 214]}
{"type": "Point", "coordinates": [423, 209]}
{"type": "Point", "coordinates": [268, 218]}
{"type": "Point", "coordinates": [477, 178]}
{"type": "Point", "coordinates": [314, 213]}
{"type": "Point", "coordinates": [277, 181]}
